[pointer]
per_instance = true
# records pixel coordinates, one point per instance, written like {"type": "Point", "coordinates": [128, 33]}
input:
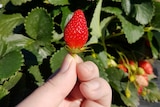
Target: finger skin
{"type": "Point", "coordinates": [90, 103]}
{"type": "Point", "coordinates": [61, 90]}
{"type": "Point", "coordinates": [55, 89]}
{"type": "Point", "coordinates": [92, 87]}
{"type": "Point", "coordinates": [87, 71]}
{"type": "Point", "coordinates": [97, 90]}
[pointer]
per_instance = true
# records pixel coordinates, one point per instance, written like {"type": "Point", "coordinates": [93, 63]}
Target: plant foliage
{"type": "Point", "coordinates": [32, 45]}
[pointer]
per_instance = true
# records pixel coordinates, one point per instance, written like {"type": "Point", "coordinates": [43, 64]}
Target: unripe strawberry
{"type": "Point", "coordinates": [132, 65]}
{"type": "Point", "coordinates": [128, 93]}
{"type": "Point", "coordinates": [140, 71]}
{"type": "Point", "coordinates": [111, 63]}
{"type": "Point", "coordinates": [76, 32]}
{"type": "Point", "coordinates": [141, 80]}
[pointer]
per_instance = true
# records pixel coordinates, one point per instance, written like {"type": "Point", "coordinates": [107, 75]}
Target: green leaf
{"type": "Point", "coordinates": [95, 24]}
{"type": "Point", "coordinates": [19, 2]}
{"type": "Point", "coordinates": [144, 12]}
{"type": "Point", "coordinates": [65, 12]}
{"type": "Point", "coordinates": [155, 22]}
{"type": "Point", "coordinates": [92, 40]}
{"type": "Point", "coordinates": [3, 92]}
{"type": "Point", "coordinates": [18, 40]}
{"type": "Point", "coordinates": [13, 42]}
{"type": "Point", "coordinates": [56, 12]}
{"type": "Point", "coordinates": [56, 37]}
{"type": "Point", "coordinates": [58, 2]}
{"type": "Point", "coordinates": [126, 5]}
{"type": "Point", "coordinates": [9, 22]}
{"type": "Point", "coordinates": [132, 32]}
{"type": "Point", "coordinates": [153, 49]}
{"type": "Point", "coordinates": [103, 57]}
{"type": "Point", "coordinates": [112, 10]}
{"type": "Point", "coordinates": [119, 87]}
{"type": "Point", "coordinates": [154, 93]}
{"type": "Point", "coordinates": [10, 63]}
{"type": "Point", "coordinates": [57, 59]}
{"type": "Point", "coordinates": [34, 70]}
{"type": "Point", "coordinates": [12, 81]}
{"type": "Point", "coordinates": [41, 28]}
{"type": "Point", "coordinates": [118, 74]}
{"type": "Point", "coordinates": [134, 95]}
{"type": "Point", "coordinates": [115, 77]}
{"type": "Point", "coordinates": [41, 51]}
{"type": "Point", "coordinates": [4, 2]}
{"type": "Point", "coordinates": [3, 47]}
{"type": "Point", "coordinates": [104, 24]}
{"type": "Point", "coordinates": [157, 37]}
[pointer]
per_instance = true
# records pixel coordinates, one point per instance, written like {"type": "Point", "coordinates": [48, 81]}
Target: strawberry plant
{"type": "Point", "coordinates": [117, 35]}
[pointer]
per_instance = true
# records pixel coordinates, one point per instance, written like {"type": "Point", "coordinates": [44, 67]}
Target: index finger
{"type": "Point", "coordinates": [87, 71]}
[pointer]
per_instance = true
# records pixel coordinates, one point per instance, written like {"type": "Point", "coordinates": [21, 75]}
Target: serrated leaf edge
{"type": "Point", "coordinates": [34, 9]}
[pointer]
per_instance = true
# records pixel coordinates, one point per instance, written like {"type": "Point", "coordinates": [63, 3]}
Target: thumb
{"type": "Point", "coordinates": [63, 82]}
{"type": "Point", "coordinates": [56, 88]}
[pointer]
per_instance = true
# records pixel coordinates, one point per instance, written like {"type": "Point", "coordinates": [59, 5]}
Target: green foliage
{"type": "Point", "coordinates": [58, 2]}
{"type": "Point", "coordinates": [144, 11]}
{"type": "Point", "coordinates": [32, 45]}
{"type": "Point", "coordinates": [35, 29]}
{"type": "Point", "coordinates": [126, 5]}
{"type": "Point", "coordinates": [34, 70]}
{"type": "Point", "coordinates": [95, 24]}
{"type": "Point", "coordinates": [14, 59]}
{"type": "Point", "coordinates": [3, 92]}
{"type": "Point", "coordinates": [155, 23]}
{"type": "Point", "coordinates": [15, 2]}
{"type": "Point", "coordinates": [58, 58]}
{"type": "Point", "coordinates": [153, 49]}
{"type": "Point", "coordinates": [154, 93]}
{"type": "Point", "coordinates": [9, 84]}
{"type": "Point", "coordinates": [19, 2]}
{"type": "Point", "coordinates": [132, 32]}
{"type": "Point", "coordinates": [9, 22]}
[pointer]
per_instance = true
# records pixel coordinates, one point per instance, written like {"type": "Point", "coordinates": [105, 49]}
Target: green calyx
{"type": "Point", "coordinates": [76, 50]}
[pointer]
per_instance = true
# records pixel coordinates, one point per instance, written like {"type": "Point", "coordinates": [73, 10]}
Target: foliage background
{"type": "Point", "coordinates": [32, 45]}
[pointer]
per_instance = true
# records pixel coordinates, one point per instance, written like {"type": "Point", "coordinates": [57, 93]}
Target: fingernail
{"type": "Point", "coordinates": [66, 63]}
{"type": "Point", "coordinates": [93, 85]}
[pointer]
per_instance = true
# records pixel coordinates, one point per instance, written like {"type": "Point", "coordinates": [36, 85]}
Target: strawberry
{"type": "Point", "coordinates": [122, 67]}
{"type": "Point", "coordinates": [140, 90]}
{"type": "Point", "coordinates": [76, 32]}
{"type": "Point", "coordinates": [141, 80]}
{"type": "Point", "coordinates": [146, 66]}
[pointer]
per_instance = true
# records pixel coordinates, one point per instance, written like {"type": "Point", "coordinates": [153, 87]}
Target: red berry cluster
{"type": "Point", "coordinates": [138, 72]}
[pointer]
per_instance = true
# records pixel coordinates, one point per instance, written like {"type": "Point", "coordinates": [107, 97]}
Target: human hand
{"type": "Point", "coordinates": [77, 84]}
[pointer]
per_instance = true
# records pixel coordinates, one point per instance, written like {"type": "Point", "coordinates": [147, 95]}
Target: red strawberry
{"type": "Point", "coordinates": [146, 66]}
{"type": "Point", "coordinates": [122, 67]}
{"type": "Point", "coordinates": [140, 90]}
{"type": "Point", "coordinates": [76, 32]}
